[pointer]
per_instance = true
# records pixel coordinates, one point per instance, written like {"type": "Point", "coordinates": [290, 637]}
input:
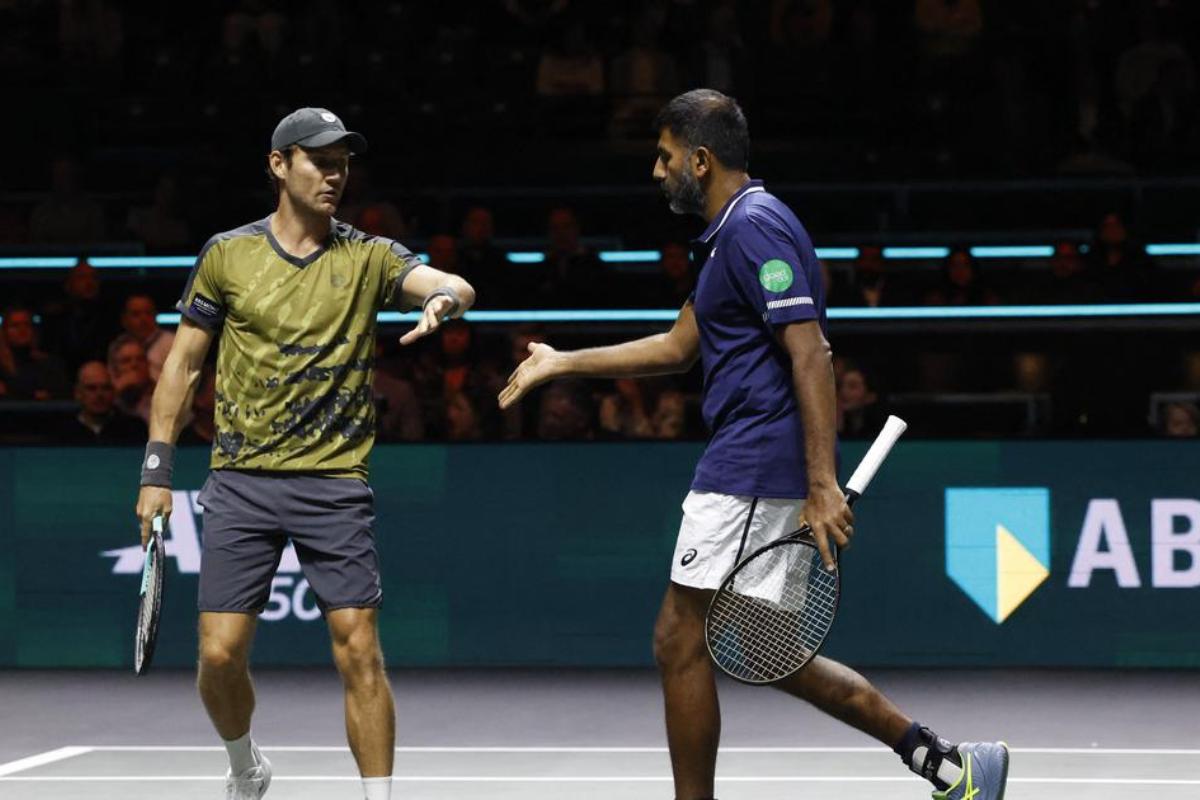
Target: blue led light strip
{"type": "Point", "coordinates": [881, 314]}
{"type": "Point", "coordinates": [915, 252]}
{"type": "Point", "coordinates": [34, 262]}
{"type": "Point", "coordinates": [1173, 249]}
{"type": "Point", "coordinates": [141, 262]}
{"type": "Point", "coordinates": [610, 256]}
{"type": "Point", "coordinates": [1018, 251]}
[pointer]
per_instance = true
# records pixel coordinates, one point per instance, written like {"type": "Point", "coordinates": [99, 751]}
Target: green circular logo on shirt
{"type": "Point", "coordinates": [775, 275]}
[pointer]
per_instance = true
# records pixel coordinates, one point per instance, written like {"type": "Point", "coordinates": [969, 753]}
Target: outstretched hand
{"type": "Point", "coordinates": [543, 364]}
{"type": "Point", "coordinates": [431, 319]}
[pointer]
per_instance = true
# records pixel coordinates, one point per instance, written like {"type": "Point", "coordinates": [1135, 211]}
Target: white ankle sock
{"type": "Point", "coordinates": [377, 788]}
{"type": "Point", "coordinates": [241, 757]}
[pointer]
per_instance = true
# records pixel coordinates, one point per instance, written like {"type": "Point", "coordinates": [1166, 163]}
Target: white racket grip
{"type": "Point", "coordinates": [892, 430]}
{"type": "Point", "coordinates": [158, 523]}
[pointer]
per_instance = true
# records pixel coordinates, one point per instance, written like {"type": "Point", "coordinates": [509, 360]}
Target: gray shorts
{"type": "Point", "coordinates": [248, 518]}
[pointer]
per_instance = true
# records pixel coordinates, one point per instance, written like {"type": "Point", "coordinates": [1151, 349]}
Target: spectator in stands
{"type": "Point", "coordinates": [160, 226]}
{"type": "Point", "coordinates": [91, 37]}
{"type": "Point", "coordinates": [677, 280]}
{"type": "Point", "coordinates": [868, 284]}
{"type": "Point", "coordinates": [948, 28]}
{"type": "Point", "coordinates": [68, 215]}
{"type": "Point", "coordinates": [454, 365]}
{"type": "Point", "coordinates": [443, 253]}
{"type": "Point", "coordinates": [642, 78]}
{"type": "Point", "coordinates": [860, 415]}
{"type": "Point", "coordinates": [720, 61]}
{"type": "Point", "coordinates": [481, 263]}
{"type": "Point", "coordinates": [670, 415]}
{"type": "Point", "coordinates": [1181, 420]}
{"type": "Point", "coordinates": [98, 421]}
{"type": "Point", "coordinates": [27, 373]}
{"type": "Point", "coordinates": [960, 284]}
{"type": "Point", "coordinates": [571, 275]}
{"type": "Point", "coordinates": [203, 427]}
{"type": "Point", "coordinates": [78, 325]}
{"type": "Point", "coordinates": [803, 24]}
{"type": "Point", "coordinates": [1067, 281]}
{"type": "Point", "coordinates": [565, 412]}
{"type": "Point", "coordinates": [236, 67]}
{"type": "Point", "coordinates": [364, 209]}
{"type": "Point", "coordinates": [398, 412]}
{"type": "Point", "coordinates": [1117, 265]}
{"type": "Point", "coordinates": [1164, 124]}
{"type": "Point", "coordinates": [462, 422]}
{"type": "Point", "coordinates": [1141, 66]}
{"type": "Point", "coordinates": [139, 318]}
{"type": "Point", "coordinates": [623, 412]}
{"type": "Point", "coordinates": [570, 67]}
{"type": "Point", "coordinates": [131, 376]}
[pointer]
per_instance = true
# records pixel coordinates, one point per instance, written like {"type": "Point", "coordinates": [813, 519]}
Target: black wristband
{"type": "Point", "coordinates": [445, 291]}
{"type": "Point", "coordinates": [158, 464]}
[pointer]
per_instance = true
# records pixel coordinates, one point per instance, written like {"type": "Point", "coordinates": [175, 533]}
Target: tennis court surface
{"type": "Point", "coordinates": [589, 734]}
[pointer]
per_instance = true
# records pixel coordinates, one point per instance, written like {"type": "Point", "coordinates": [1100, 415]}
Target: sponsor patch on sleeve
{"type": "Point", "coordinates": [205, 308]}
{"type": "Point", "coordinates": [776, 275]}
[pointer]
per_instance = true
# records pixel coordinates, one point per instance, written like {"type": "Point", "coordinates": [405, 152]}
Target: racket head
{"type": "Point", "coordinates": [150, 599]}
{"type": "Point", "coordinates": [772, 613]}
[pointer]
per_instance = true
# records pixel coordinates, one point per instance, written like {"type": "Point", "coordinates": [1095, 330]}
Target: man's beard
{"type": "Point", "coordinates": [687, 197]}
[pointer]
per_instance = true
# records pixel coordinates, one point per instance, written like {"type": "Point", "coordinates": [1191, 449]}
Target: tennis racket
{"type": "Point", "coordinates": [150, 603]}
{"type": "Point", "coordinates": [774, 609]}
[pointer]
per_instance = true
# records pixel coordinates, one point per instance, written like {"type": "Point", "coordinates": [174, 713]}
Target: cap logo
{"type": "Point", "coordinates": [325, 115]}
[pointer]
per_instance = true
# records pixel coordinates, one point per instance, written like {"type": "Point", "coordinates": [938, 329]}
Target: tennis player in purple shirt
{"type": "Point", "coordinates": [757, 323]}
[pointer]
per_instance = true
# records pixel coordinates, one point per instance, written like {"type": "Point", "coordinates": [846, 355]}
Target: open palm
{"type": "Point", "coordinates": [543, 363]}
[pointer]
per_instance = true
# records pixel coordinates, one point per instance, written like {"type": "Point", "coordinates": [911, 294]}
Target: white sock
{"type": "Point", "coordinates": [241, 757]}
{"type": "Point", "coordinates": [378, 788]}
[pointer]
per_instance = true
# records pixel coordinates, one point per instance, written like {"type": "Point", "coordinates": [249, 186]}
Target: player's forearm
{"type": "Point", "coordinates": [172, 399]}
{"type": "Point", "coordinates": [812, 376]}
{"type": "Point", "coordinates": [653, 355]}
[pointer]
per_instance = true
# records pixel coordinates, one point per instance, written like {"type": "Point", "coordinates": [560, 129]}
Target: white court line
{"type": "Point", "coordinates": [592, 779]}
{"type": "Point", "coordinates": [1100, 751]}
{"type": "Point", "coordinates": [49, 757]}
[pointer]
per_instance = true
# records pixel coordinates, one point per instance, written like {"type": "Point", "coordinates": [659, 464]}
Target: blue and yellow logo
{"type": "Point", "coordinates": [998, 545]}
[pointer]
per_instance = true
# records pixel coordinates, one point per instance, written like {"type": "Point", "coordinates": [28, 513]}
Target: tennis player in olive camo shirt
{"type": "Point", "coordinates": [293, 298]}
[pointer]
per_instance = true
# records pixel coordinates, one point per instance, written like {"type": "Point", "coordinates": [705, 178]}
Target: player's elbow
{"type": "Point", "coordinates": [677, 357]}
{"type": "Point", "coordinates": [816, 354]}
{"type": "Point", "coordinates": [464, 290]}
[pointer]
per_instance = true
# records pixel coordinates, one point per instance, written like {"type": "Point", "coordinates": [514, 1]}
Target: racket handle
{"type": "Point", "coordinates": [158, 524]}
{"type": "Point", "coordinates": [892, 429]}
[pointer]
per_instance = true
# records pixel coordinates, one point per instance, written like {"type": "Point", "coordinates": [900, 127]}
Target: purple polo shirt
{"type": "Point", "coordinates": [759, 272]}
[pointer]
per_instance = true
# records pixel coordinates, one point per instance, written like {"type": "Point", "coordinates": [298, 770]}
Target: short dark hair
{"type": "Point", "coordinates": [707, 118]}
{"type": "Point", "coordinates": [276, 184]}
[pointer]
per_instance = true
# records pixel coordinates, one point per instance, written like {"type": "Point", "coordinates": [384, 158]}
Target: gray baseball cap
{"type": "Point", "coordinates": [315, 127]}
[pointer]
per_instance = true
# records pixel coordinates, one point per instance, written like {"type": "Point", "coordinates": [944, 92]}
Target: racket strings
{"type": "Point", "coordinates": [772, 614]}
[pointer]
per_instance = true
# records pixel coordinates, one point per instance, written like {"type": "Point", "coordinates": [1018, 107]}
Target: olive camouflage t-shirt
{"type": "Point", "coordinates": [293, 389]}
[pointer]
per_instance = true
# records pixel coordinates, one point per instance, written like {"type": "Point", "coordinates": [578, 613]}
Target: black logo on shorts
{"type": "Point", "coordinates": [688, 557]}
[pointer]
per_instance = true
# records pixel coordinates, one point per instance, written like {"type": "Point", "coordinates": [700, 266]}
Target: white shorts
{"type": "Point", "coordinates": [718, 530]}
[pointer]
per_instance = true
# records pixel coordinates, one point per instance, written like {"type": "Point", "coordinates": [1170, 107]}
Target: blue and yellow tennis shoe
{"type": "Point", "coordinates": [984, 772]}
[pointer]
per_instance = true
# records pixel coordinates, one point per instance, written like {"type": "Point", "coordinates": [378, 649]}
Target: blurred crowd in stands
{"type": "Point", "coordinates": [148, 111]}
{"type": "Point", "coordinates": [94, 339]}
{"type": "Point", "coordinates": [147, 130]}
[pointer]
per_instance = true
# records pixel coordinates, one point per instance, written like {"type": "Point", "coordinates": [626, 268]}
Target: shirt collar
{"type": "Point", "coordinates": [719, 220]}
